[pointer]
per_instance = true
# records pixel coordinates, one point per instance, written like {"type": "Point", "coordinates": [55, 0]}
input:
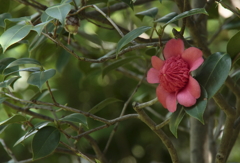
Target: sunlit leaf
{"type": "Point", "coordinates": [31, 132]}
{"type": "Point", "coordinates": [175, 120]}
{"type": "Point", "coordinates": [76, 118]}
{"type": "Point", "coordinates": [233, 47]}
{"type": "Point", "coordinates": [103, 104]}
{"type": "Point", "coordinates": [117, 64]}
{"type": "Point", "coordinates": [45, 141]}
{"type": "Point", "coordinates": [186, 14]}
{"type": "Point", "coordinates": [152, 12]}
{"type": "Point", "coordinates": [130, 36]}
{"type": "Point", "coordinates": [39, 78]}
{"type": "Point", "coordinates": [214, 72]}
{"type": "Point", "coordinates": [14, 119]}
{"type": "Point", "coordinates": [59, 11]}
{"type": "Point", "coordinates": [13, 35]}
{"type": "Point", "coordinates": [198, 109]}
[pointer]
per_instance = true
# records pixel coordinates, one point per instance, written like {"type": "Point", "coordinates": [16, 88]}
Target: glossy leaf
{"type": "Point", "coordinates": [45, 141]}
{"type": "Point", "coordinates": [30, 69]}
{"type": "Point", "coordinates": [31, 132]}
{"type": "Point", "coordinates": [22, 61]}
{"type": "Point", "coordinates": [214, 72]}
{"type": "Point", "coordinates": [9, 82]}
{"type": "Point", "coordinates": [175, 120]}
{"type": "Point", "coordinates": [39, 78]}
{"type": "Point", "coordinates": [14, 119]}
{"type": "Point", "coordinates": [3, 17]}
{"type": "Point", "coordinates": [186, 14]}
{"type": "Point", "coordinates": [76, 118]}
{"type": "Point", "coordinates": [130, 36]}
{"type": "Point", "coordinates": [59, 11]}
{"type": "Point", "coordinates": [233, 47]}
{"type": "Point", "coordinates": [166, 18]}
{"type": "Point", "coordinates": [39, 27]}
{"type": "Point", "coordinates": [198, 109]}
{"type": "Point", "coordinates": [152, 12]}
{"type": "Point", "coordinates": [103, 104]}
{"type": "Point", "coordinates": [117, 64]}
{"type": "Point", "coordinates": [13, 35]}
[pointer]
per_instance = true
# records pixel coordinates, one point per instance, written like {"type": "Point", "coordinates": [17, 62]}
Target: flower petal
{"type": "Point", "coordinates": [153, 76]}
{"type": "Point", "coordinates": [193, 56]}
{"type": "Point", "coordinates": [157, 63]}
{"type": "Point", "coordinates": [173, 48]}
{"type": "Point", "coordinates": [187, 97]}
{"type": "Point", "coordinates": [168, 100]}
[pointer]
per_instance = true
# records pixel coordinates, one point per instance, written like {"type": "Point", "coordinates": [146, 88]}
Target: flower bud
{"type": "Point", "coordinates": [71, 24]}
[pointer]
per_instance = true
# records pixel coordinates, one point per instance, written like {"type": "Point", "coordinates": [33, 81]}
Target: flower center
{"type": "Point", "coordinates": [175, 74]}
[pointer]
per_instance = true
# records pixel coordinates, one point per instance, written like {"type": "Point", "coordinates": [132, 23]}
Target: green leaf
{"type": "Point", "coordinates": [5, 62]}
{"type": "Point", "coordinates": [117, 64]}
{"type": "Point", "coordinates": [45, 141]}
{"type": "Point", "coordinates": [130, 36]}
{"type": "Point", "coordinates": [186, 14]}
{"type": "Point", "coordinates": [25, 19]}
{"type": "Point", "coordinates": [198, 109]}
{"type": "Point", "coordinates": [5, 5]}
{"type": "Point", "coordinates": [152, 12]}
{"type": "Point", "coordinates": [59, 11]}
{"type": "Point", "coordinates": [233, 48]}
{"type": "Point", "coordinates": [13, 35]}
{"type": "Point", "coordinates": [2, 128]}
{"type": "Point", "coordinates": [22, 61]}
{"type": "Point", "coordinates": [3, 17]}
{"type": "Point", "coordinates": [76, 118]}
{"type": "Point", "coordinates": [39, 27]}
{"type": "Point", "coordinates": [62, 60]}
{"type": "Point", "coordinates": [175, 120]}
{"type": "Point", "coordinates": [31, 132]}
{"type": "Point", "coordinates": [214, 72]}
{"type": "Point", "coordinates": [129, 3]}
{"type": "Point", "coordinates": [103, 104]}
{"type": "Point", "coordinates": [45, 17]}
{"type": "Point", "coordinates": [166, 18]}
{"type": "Point", "coordinates": [14, 119]}
{"type": "Point", "coordinates": [2, 99]}
{"type": "Point", "coordinates": [39, 78]}
{"type": "Point", "coordinates": [30, 69]}
{"type": "Point", "coordinates": [9, 82]}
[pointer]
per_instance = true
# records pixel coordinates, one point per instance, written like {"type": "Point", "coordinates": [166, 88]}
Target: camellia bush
{"type": "Point", "coordinates": [119, 81]}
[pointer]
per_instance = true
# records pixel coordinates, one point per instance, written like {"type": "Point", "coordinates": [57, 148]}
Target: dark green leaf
{"type": "Point", "coordinates": [186, 14]}
{"type": "Point", "coordinates": [39, 78]}
{"type": "Point", "coordinates": [214, 72]}
{"type": "Point", "coordinates": [13, 35]}
{"type": "Point", "coordinates": [59, 11]}
{"type": "Point", "coordinates": [129, 2]}
{"type": "Point", "coordinates": [76, 118]}
{"type": "Point", "coordinates": [130, 36]}
{"type": "Point", "coordinates": [152, 12]}
{"type": "Point", "coordinates": [3, 17]}
{"type": "Point", "coordinates": [233, 47]}
{"type": "Point", "coordinates": [175, 120]}
{"type": "Point", "coordinates": [14, 119]}
{"type": "Point", "coordinates": [31, 132]}
{"type": "Point", "coordinates": [103, 104]}
{"type": "Point", "coordinates": [198, 109]}
{"type": "Point", "coordinates": [5, 5]}
{"type": "Point", "coordinates": [2, 128]}
{"type": "Point", "coordinates": [117, 64]}
{"type": "Point", "coordinates": [45, 141]}
{"type": "Point", "coordinates": [22, 61]}
{"type": "Point", "coordinates": [62, 60]}
{"type": "Point", "coordinates": [167, 17]}
{"type": "Point", "coordinates": [5, 62]}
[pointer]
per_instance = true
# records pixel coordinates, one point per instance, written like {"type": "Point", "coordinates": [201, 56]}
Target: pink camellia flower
{"type": "Point", "coordinates": [173, 74]}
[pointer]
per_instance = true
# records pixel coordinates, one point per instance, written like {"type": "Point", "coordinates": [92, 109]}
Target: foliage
{"type": "Point", "coordinates": [71, 69]}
